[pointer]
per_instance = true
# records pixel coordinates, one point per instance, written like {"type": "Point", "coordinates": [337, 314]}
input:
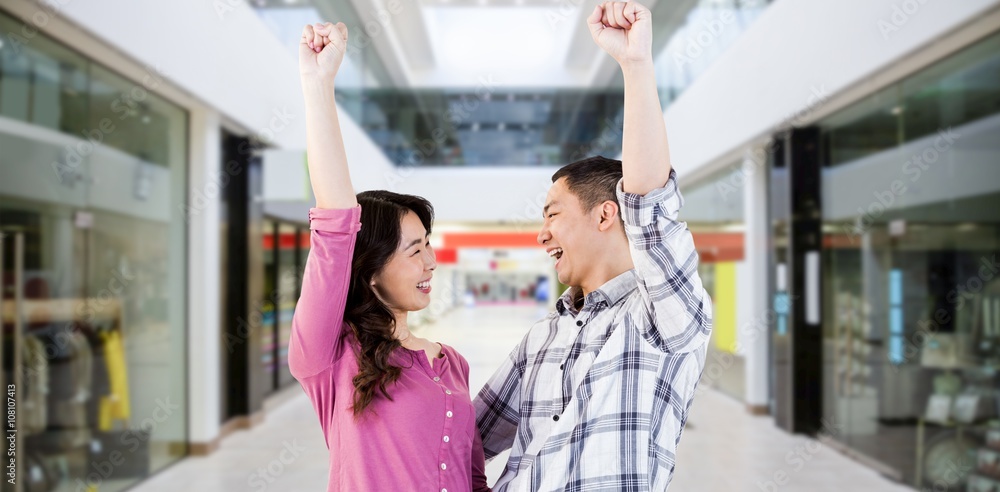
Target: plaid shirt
{"type": "Point", "coordinates": [595, 399]}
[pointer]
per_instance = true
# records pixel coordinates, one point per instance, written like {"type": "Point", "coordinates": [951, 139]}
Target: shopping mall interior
{"type": "Point", "coordinates": [836, 161]}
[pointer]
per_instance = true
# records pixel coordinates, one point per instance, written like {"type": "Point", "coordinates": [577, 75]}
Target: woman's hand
{"type": "Point", "coordinates": [321, 50]}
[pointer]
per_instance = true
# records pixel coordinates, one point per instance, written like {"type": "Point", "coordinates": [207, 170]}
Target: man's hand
{"type": "Point", "coordinates": [321, 50]}
{"type": "Point", "coordinates": [624, 30]}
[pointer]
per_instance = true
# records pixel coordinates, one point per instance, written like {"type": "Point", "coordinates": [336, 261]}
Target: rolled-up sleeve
{"type": "Point", "coordinates": [666, 264]}
{"type": "Point", "coordinates": [319, 315]}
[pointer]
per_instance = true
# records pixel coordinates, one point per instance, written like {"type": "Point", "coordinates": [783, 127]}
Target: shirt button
{"type": "Point", "coordinates": [437, 378]}
{"type": "Point", "coordinates": [561, 366]}
{"type": "Point", "coordinates": [579, 323]}
{"type": "Point", "coordinates": [447, 392]}
{"type": "Point", "coordinates": [447, 439]}
{"type": "Point", "coordinates": [449, 414]}
{"type": "Point", "coordinates": [444, 466]}
{"type": "Point", "coordinates": [555, 417]}
{"type": "Point", "coordinates": [444, 490]}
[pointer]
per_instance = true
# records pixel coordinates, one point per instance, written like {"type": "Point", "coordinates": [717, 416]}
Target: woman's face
{"type": "Point", "coordinates": [404, 282]}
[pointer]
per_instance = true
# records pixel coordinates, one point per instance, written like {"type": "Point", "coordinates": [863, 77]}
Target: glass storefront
{"type": "Point", "coordinates": [269, 334]}
{"type": "Point", "coordinates": [286, 248]}
{"type": "Point", "coordinates": [93, 169]}
{"type": "Point", "coordinates": [713, 210]}
{"type": "Point", "coordinates": [288, 295]}
{"type": "Point", "coordinates": [911, 282]}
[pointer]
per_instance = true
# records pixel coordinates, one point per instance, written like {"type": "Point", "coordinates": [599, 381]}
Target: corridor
{"type": "Point", "coordinates": [723, 449]}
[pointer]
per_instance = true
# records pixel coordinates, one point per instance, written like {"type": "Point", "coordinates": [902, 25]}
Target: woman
{"type": "Point", "coordinates": [394, 407]}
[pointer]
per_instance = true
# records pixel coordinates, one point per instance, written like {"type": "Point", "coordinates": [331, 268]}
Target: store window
{"type": "Point", "coordinates": [269, 326]}
{"type": "Point", "coordinates": [93, 268]}
{"type": "Point", "coordinates": [285, 250]}
{"type": "Point", "coordinates": [713, 210]}
{"type": "Point", "coordinates": [288, 283]}
{"type": "Point", "coordinates": [911, 282]}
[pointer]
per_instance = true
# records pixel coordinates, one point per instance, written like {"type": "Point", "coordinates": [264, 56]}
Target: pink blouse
{"type": "Point", "coordinates": [423, 440]}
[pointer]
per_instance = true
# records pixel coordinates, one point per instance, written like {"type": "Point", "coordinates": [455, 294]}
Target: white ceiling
{"type": "Point", "coordinates": [458, 43]}
{"type": "Point", "coordinates": [516, 46]}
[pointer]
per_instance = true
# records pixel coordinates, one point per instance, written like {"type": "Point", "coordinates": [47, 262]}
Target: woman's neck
{"type": "Point", "coordinates": [402, 329]}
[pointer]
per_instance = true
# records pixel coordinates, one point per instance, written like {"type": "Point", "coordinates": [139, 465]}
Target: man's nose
{"type": "Point", "coordinates": [543, 235]}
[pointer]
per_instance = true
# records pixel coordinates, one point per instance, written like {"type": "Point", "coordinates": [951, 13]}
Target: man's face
{"type": "Point", "coordinates": [570, 234]}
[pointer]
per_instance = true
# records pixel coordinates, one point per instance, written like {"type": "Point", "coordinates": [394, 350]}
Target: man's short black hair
{"type": "Point", "coordinates": [593, 180]}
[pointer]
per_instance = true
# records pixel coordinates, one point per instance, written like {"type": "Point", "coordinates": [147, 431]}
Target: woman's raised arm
{"type": "Point", "coordinates": [319, 316]}
{"type": "Point", "coordinates": [321, 51]}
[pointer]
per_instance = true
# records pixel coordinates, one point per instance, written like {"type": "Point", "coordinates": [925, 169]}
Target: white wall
{"type": "Point", "coordinates": [795, 50]}
{"type": "Point", "coordinates": [204, 281]}
{"type": "Point", "coordinates": [510, 195]}
{"type": "Point", "coordinates": [753, 299]}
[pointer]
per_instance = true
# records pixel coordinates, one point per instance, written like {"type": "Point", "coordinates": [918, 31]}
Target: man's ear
{"type": "Point", "coordinates": [609, 215]}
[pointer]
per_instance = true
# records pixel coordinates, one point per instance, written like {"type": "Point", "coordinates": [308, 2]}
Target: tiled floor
{"type": "Point", "coordinates": [725, 449]}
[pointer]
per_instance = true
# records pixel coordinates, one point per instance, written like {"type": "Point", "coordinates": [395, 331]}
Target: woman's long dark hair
{"type": "Point", "coordinates": [372, 322]}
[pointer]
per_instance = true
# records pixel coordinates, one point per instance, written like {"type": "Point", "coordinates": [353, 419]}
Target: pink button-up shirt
{"type": "Point", "coordinates": [423, 440]}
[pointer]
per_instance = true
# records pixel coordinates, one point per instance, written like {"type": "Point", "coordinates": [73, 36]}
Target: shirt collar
{"type": "Point", "coordinates": [610, 293]}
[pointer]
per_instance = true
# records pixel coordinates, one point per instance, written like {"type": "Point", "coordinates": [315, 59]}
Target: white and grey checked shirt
{"type": "Point", "coordinates": [595, 399]}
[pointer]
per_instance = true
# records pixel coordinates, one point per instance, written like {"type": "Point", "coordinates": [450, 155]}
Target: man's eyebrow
{"type": "Point", "coordinates": [546, 209]}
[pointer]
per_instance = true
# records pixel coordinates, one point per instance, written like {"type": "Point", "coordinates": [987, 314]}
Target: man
{"type": "Point", "coordinates": [596, 394]}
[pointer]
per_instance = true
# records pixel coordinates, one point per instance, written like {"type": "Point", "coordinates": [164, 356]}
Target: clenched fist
{"type": "Point", "coordinates": [624, 30]}
{"type": "Point", "coordinates": [322, 49]}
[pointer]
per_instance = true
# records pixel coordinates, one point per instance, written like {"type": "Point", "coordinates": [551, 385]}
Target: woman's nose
{"type": "Point", "coordinates": [431, 260]}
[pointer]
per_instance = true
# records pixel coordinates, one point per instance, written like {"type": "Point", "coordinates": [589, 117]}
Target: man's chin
{"type": "Point", "coordinates": [564, 279]}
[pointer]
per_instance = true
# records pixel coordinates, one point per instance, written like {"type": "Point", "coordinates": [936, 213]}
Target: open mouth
{"type": "Point", "coordinates": [424, 287]}
{"type": "Point", "coordinates": [556, 253]}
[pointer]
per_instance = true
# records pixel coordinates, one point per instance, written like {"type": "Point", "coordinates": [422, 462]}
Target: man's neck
{"type": "Point", "coordinates": [605, 274]}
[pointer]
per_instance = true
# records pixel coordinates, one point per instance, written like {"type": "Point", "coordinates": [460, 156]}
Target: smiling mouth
{"type": "Point", "coordinates": [424, 287]}
{"type": "Point", "coordinates": [556, 253]}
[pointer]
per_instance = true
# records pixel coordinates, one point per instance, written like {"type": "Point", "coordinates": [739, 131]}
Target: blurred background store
{"type": "Point", "coordinates": [839, 160]}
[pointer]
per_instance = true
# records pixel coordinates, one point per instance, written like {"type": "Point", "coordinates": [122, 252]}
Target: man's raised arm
{"type": "Point", "coordinates": [625, 31]}
{"type": "Point", "coordinates": [662, 248]}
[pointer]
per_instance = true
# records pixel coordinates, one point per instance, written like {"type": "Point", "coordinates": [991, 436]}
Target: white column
{"type": "Point", "coordinates": [204, 303]}
{"type": "Point", "coordinates": [754, 331]}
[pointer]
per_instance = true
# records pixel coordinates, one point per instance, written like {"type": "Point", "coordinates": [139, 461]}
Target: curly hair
{"type": "Point", "coordinates": [372, 322]}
